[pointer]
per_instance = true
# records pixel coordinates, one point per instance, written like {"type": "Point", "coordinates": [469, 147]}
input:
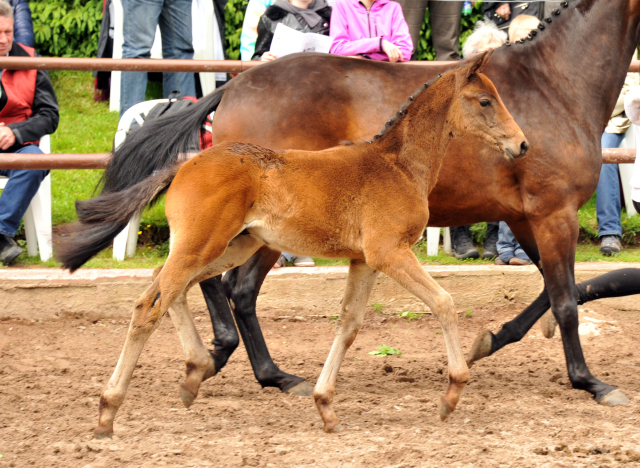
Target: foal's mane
{"type": "Point", "coordinates": [404, 109]}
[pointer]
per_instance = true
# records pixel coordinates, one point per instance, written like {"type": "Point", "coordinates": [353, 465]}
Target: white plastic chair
{"type": "Point", "coordinates": [124, 244]}
{"type": "Point", "coordinates": [433, 239]}
{"type": "Point", "coordinates": [37, 219]}
{"type": "Point", "coordinates": [205, 38]}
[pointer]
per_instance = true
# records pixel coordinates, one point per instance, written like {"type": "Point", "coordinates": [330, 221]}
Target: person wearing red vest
{"type": "Point", "coordinates": [28, 111]}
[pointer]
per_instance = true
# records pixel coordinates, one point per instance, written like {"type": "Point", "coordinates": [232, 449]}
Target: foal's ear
{"type": "Point", "coordinates": [477, 63]}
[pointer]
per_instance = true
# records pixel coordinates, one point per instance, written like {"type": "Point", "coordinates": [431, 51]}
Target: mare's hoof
{"type": "Point", "coordinates": [330, 429]}
{"type": "Point", "coordinates": [187, 397]}
{"type": "Point", "coordinates": [102, 433]}
{"type": "Point", "coordinates": [481, 347]}
{"type": "Point", "coordinates": [616, 397]}
{"type": "Point", "coordinates": [304, 388]}
{"type": "Point", "coordinates": [548, 324]}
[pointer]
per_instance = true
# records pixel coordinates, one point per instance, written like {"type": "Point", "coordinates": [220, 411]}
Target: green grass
{"type": "Point", "coordinates": [88, 127]}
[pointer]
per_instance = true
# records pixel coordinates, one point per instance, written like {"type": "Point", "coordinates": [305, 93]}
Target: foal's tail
{"type": "Point", "coordinates": [158, 144]}
{"type": "Point", "coordinates": [103, 217]}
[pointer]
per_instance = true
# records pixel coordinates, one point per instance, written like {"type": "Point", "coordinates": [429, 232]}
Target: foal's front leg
{"type": "Point", "coordinates": [359, 284]}
{"type": "Point", "coordinates": [401, 265]}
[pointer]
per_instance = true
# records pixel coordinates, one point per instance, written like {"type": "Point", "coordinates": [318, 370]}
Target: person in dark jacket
{"type": "Point", "coordinates": [301, 15]}
{"type": "Point", "coordinates": [28, 111]}
{"type": "Point", "coordinates": [23, 25]}
{"type": "Point", "coordinates": [503, 13]}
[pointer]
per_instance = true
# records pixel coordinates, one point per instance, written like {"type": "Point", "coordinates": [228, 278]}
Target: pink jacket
{"type": "Point", "coordinates": [357, 31]}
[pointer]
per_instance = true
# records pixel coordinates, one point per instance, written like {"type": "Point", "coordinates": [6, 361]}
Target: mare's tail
{"type": "Point", "coordinates": [103, 217]}
{"type": "Point", "coordinates": [158, 144]}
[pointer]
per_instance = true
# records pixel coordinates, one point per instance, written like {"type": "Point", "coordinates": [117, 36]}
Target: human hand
{"type": "Point", "coordinates": [267, 57]}
{"type": "Point", "coordinates": [393, 51]}
{"type": "Point", "coordinates": [7, 137]}
{"type": "Point", "coordinates": [504, 11]}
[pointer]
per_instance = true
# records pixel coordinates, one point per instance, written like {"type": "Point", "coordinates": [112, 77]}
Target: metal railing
{"type": "Point", "coordinates": [100, 160]}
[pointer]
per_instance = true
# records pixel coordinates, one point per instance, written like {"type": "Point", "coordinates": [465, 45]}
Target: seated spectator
{"type": "Point", "coordinates": [28, 111]}
{"type": "Point", "coordinates": [521, 26]}
{"type": "Point", "coordinates": [373, 29]}
{"type": "Point", "coordinates": [485, 36]}
{"type": "Point", "coordinates": [301, 15]}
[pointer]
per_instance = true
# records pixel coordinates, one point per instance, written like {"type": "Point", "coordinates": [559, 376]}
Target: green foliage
{"type": "Point", "coordinates": [425, 46]}
{"type": "Point", "coordinates": [233, 18]}
{"type": "Point", "coordinates": [378, 307]}
{"type": "Point", "coordinates": [409, 315]}
{"type": "Point", "coordinates": [384, 350]}
{"type": "Point", "coordinates": [67, 28]}
{"type": "Point", "coordinates": [468, 313]}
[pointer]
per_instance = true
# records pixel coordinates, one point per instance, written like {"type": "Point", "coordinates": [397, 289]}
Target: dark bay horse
{"type": "Point", "coordinates": [365, 202]}
{"type": "Point", "coordinates": [560, 85]}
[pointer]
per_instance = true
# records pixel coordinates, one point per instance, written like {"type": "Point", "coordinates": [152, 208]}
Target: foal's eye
{"type": "Point", "coordinates": [485, 103]}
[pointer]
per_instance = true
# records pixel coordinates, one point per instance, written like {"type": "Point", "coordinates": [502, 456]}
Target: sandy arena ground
{"type": "Point", "coordinates": [517, 411]}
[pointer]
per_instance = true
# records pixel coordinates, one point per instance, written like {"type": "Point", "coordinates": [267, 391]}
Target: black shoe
{"type": "Point", "coordinates": [9, 249]}
{"type": "Point", "coordinates": [461, 243]}
{"type": "Point", "coordinates": [490, 242]}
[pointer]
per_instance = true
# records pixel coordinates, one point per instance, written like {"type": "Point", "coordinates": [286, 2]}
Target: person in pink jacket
{"type": "Point", "coordinates": [374, 29]}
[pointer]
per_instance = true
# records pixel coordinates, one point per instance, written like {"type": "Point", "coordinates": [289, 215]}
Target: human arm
{"type": "Point", "coordinates": [263, 42]}
{"type": "Point", "coordinates": [45, 117]}
{"type": "Point", "coordinates": [400, 35]}
{"type": "Point", "coordinates": [23, 25]}
{"type": "Point", "coordinates": [342, 42]}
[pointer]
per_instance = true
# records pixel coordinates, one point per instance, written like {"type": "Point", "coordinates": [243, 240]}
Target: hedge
{"type": "Point", "coordinates": [70, 28]}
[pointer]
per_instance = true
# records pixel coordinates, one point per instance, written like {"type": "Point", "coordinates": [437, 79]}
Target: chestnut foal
{"type": "Point", "coordinates": [365, 202]}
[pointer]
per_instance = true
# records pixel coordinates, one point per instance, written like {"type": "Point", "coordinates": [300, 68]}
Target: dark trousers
{"type": "Point", "coordinates": [445, 25]}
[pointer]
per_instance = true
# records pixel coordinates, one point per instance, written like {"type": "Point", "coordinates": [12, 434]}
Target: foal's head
{"type": "Point", "coordinates": [478, 111]}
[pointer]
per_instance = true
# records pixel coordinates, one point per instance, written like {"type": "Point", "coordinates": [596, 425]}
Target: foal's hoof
{"type": "Point", "coordinates": [445, 410]}
{"type": "Point", "coordinates": [304, 388]}
{"type": "Point", "coordinates": [102, 433]}
{"type": "Point", "coordinates": [616, 397]}
{"type": "Point", "coordinates": [333, 429]}
{"type": "Point", "coordinates": [548, 324]}
{"type": "Point", "coordinates": [481, 347]}
{"type": "Point", "coordinates": [187, 397]}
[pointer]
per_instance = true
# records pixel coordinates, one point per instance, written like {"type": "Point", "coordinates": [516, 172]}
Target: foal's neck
{"type": "Point", "coordinates": [417, 138]}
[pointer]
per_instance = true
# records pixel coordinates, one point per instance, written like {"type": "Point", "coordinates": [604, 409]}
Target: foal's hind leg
{"type": "Point", "coordinates": [359, 284]}
{"type": "Point", "coordinates": [402, 265]}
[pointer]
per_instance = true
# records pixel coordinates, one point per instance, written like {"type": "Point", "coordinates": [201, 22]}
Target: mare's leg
{"type": "Point", "coordinates": [359, 285]}
{"type": "Point", "coordinates": [401, 265]}
{"type": "Point", "coordinates": [558, 234]}
{"type": "Point", "coordinates": [242, 286]}
{"type": "Point", "coordinates": [225, 334]}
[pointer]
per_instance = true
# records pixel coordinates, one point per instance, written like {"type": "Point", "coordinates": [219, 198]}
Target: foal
{"type": "Point", "coordinates": [365, 202]}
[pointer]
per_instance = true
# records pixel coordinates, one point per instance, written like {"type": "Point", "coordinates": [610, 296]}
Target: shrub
{"type": "Point", "coordinates": [67, 28]}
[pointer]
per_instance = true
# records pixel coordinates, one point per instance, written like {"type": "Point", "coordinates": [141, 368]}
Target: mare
{"type": "Point", "coordinates": [560, 84]}
{"type": "Point", "coordinates": [367, 202]}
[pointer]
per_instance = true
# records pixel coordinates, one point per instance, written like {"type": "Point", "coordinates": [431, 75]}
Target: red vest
{"type": "Point", "coordinates": [20, 87]}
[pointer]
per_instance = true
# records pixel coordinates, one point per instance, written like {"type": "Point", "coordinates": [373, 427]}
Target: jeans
{"type": "Point", "coordinates": [507, 241]}
{"type": "Point", "coordinates": [608, 203]}
{"type": "Point", "coordinates": [16, 196]}
{"type": "Point", "coordinates": [140, 20]}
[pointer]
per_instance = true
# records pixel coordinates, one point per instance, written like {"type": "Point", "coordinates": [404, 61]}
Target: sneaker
{"type": "Point", "coordinates": [303, 262]}
{"type": "Point", "coordinates": [490, 243]}
{"type": "Point", "coordinates": [281, 262]}
{"type": "Point", "coordinates": [521, 258]}
{"type": "Point", "coordinates": [610, 245]}
{"type": "Point", "coordinates": [505, 258]}
{"type": "Point", "coordinates": [9, 250]}
{"type": "Point", "coordinates": [461, 243]}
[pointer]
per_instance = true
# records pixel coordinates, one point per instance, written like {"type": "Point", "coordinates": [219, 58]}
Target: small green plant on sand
{"type": "Point", "coordinates": [468, 313]}
{"type": "Point", "coordinates": [409, 315]}
{"type": "Point", "coordinates": [384, 350]}
{"type": "Point", "coordinates": [378, 307]}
